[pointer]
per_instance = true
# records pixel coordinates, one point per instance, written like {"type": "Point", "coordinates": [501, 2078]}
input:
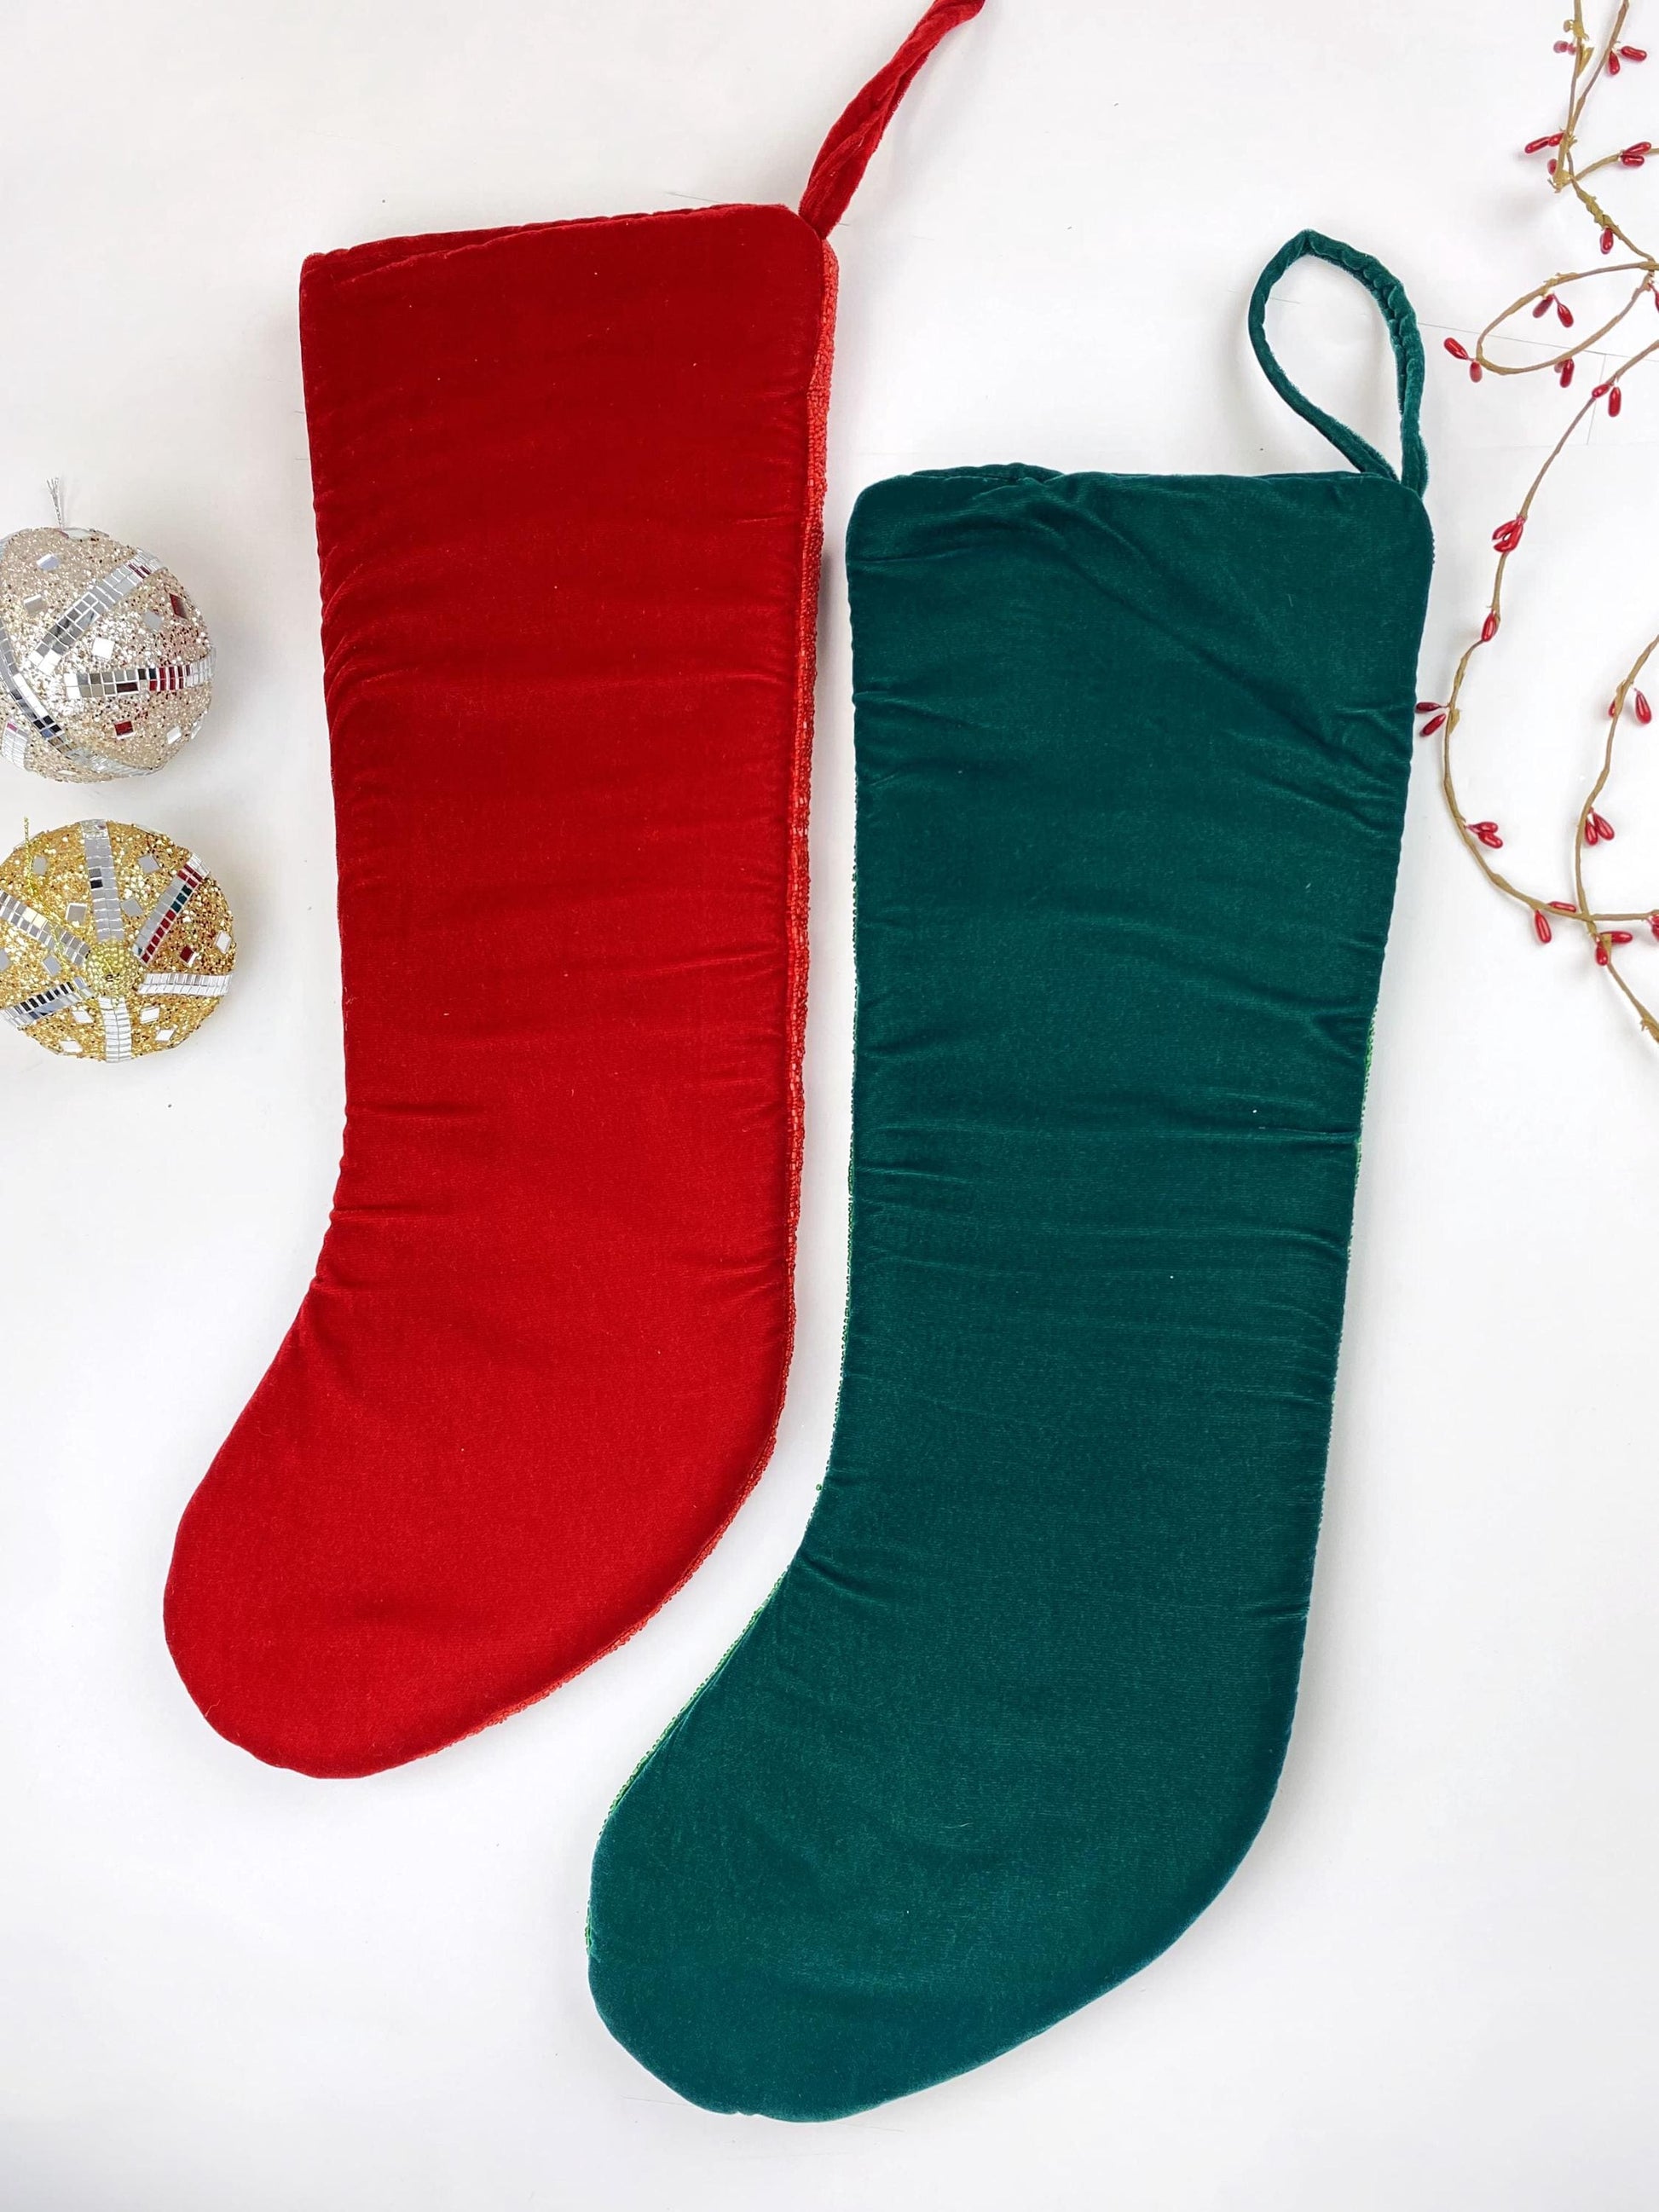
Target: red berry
{"type": "Point", "coordinates": [1507, 536]}
{"type": "Point", "coordinates": [1537, 145]}
{"type": "Point", "coordinates": [1475, 372]}
{"type": "Point", "coordinates": [1602, 955]}
{"type": "Point", "coordinates": [1563, 369]}
{"type": "Point", "coordinates": [1599, 830]}
{"type": "Point", "coordinates": [1618, 936]}
{"type": "Point", "coordinates": [1634, 53]}
{"type": "Point", "coordinates": [1564, 314]}
{"type": "Point", "coordinates": [1615, 400]}
{"type": "Point", "coordinates": [1613, 64]}
{"type": "Point", "coordinates": [1607, 241]}
{"type": "Point", "coordinates": [1564, 47]}
{"type": "Point", "coordinates": [1427, 707]}
{"type": "Point", "coordinates": [1563, 906]}
{"type": "Point", "coordinates": [1600, 390]}
{"type": "Point", "coordinates": [1489, 629]}
{"type": "Point", "coordinates": [1457, 351]}
{"type": "Point", "coordinates": [1540, 923]}
{"type": "Point", "coordinates": [1644, 712]}
{"type": "Point", "coordinates": [1543, 306]}
{"type": "Point", "coordinates": [1435, 722]}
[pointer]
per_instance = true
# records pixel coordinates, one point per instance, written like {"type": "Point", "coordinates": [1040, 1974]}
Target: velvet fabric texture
{"type": "Point", "coordinates": [1132, 767]}
{"type": "Point", "coordinates": [568, 482]}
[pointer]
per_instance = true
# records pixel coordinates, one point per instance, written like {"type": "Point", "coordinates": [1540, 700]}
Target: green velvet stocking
{"type": "Point", "coordinates": [1132, 765]}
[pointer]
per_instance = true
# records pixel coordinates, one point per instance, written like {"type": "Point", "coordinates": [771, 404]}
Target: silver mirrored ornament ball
{"type": "Point", "coordinates": [106, 666]}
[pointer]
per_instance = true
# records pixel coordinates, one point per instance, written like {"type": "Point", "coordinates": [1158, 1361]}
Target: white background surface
{"type": "Point", "coordinates": [1431, 1986]}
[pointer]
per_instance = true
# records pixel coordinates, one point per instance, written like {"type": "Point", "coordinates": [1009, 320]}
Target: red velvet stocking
{"type": "Point", "coordinates": [568, 483]}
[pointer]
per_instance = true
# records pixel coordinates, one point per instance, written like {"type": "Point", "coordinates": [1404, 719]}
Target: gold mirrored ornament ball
{"type": "Point", "coordinates": [114, 941]}
{"type": "Point", "coordinates": [106, 666]}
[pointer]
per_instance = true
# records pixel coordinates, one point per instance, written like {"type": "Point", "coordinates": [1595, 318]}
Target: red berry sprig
{"type": "Point", "coordinates": [1607, 934]}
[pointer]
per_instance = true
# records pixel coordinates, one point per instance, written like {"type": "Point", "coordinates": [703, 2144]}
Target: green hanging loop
{"type": "Point", "coordinates": [1390, 297]}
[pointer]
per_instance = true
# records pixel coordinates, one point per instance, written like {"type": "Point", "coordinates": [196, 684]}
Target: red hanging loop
{"type": "Point", "coordinates": [857, 132]}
